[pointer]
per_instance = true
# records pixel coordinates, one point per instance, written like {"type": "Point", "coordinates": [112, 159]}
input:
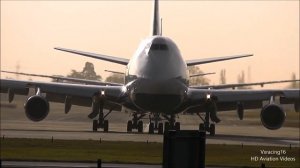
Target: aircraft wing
{"type": "Point", "coordinates": [235, 85]}
{"type": "Point", "coordinates": [85, 81]}
{"type": "Point", "coordinates": [227, 100]}
{"type": "Point", "coordinates": [81, 94]}
{"type": "Point", "coordinates": [122, 61]}
{"type": "Point", "coordinates": [216, 59]}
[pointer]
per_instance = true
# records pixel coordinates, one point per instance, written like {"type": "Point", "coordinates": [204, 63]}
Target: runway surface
{"type": "Point", "coordinates": [14, 124]}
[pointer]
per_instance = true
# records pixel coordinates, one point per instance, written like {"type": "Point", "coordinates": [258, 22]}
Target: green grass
{"type": "Point", "coordinates": [236, 156]}
{"type": "Point", "coordinates": [130, 152]}
{"type": "Point", "coordinates": [80, 150]}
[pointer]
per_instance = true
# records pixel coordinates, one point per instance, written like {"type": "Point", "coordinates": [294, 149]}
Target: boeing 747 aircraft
{"type": "Point", "coordinates": [156, 84]}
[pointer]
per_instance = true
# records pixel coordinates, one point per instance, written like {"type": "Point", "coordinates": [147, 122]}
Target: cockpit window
{"type": "Point", "coordinates": [159, 47]}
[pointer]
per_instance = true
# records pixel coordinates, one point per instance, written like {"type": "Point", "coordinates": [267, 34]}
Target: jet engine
{"type": "Point", "coordinates": [272, 116]}
{"type": "Point", "coordinates": [36, 108]}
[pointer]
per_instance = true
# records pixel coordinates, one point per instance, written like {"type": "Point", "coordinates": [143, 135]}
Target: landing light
{"type": "Point", "coordinates": [102, 92]}
{"type": "Point", "coordinates": [208, 96]}
{"type": "Point", "coordinates": [124, 89]}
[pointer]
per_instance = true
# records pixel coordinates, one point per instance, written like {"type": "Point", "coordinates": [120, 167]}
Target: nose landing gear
{"type": "Point", "coordinates": [136, 123]}
{"type": "Point", "coordinates": [211, 113]}
{"type": "Point", "coordinates": [155, 123]}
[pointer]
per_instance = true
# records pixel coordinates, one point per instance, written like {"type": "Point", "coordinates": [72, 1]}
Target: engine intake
{"type": "Point", "coordinates": [36, 108]}
{"type": "Point", "coordinates": [272, 116]}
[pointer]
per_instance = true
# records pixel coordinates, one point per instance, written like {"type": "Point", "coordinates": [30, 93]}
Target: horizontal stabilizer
{"type": "Point", "coordinates": [236, 85]}
{"type": "Point", "coordinates": [202, 74]}
{"type": "Point", "coordinates": [122, 61]}
{"type": "Point", "coordinates": [216, 59]}
{"type": "Point", "coordinates": [115, 72]}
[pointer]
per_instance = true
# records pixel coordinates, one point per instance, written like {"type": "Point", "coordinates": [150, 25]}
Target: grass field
{"type": "Point", "coordinates": [134, 152]}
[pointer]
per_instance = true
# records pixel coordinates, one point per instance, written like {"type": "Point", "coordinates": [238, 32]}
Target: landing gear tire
{"type": "Point", "coordinates": [212, 130]}
{"type": "Point", "coordinates": [95, 125]}
{"type": "Point", "coordinates": [105, 126]}
{"type": "Point", "coordinates": [167, 126]}
{"type": "Point", "coordinates": [201, 127]}
{"type": "Point", "coordinates": [151, 128]}
{"type": "Point", "coordinates": [140, 126]}
{"type": "Point", "coordinates": [129, 126]}
{"type": "Point", "coordinates": [177, 126]}
{"type": "Point", "coordinates": [160, 128]}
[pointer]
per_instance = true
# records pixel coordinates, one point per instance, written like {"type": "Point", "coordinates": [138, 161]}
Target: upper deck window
{"type": "Point", "coordinates": [159, 47]}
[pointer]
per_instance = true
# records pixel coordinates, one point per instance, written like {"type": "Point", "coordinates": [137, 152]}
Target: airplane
{"type": "Point", "coordinates": [156, 83]}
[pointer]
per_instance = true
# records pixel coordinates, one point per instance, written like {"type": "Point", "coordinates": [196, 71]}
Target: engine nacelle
{"type": "Point", "coordinates": [272, 116]}
{"type": "Point", "coordinates": [36, 108]}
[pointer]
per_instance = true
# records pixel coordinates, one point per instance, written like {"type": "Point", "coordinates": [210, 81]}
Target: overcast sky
{"type": "Point", "coordinates": [268, 29]}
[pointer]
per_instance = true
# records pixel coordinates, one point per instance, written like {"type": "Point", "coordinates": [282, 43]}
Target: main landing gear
{"type": "Point", "coordinates": [101, 122]}
{"type": "Point", "coordinates": [210, 114]}
{"type": "Point", "coordinates": [98, 106]}
{"type": "Point", "coordinates": [155, 124]}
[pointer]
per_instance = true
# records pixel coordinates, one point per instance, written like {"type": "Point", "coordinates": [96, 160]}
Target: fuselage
{"type": "Point", "coordinates": [157, 76]}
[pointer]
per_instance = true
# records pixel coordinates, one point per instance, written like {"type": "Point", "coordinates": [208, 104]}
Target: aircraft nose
{"type": "Point", "coordinates": [158, 96]}
{"type": "Point", "coordinates": [171, 86]}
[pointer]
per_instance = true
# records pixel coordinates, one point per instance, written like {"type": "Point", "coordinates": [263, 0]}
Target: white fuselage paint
{"type": "Point", "coordinates": [157, 76]}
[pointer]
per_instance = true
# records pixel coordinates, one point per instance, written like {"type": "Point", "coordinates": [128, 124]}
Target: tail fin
{"type": "Point", "coordinates": [156, 20]}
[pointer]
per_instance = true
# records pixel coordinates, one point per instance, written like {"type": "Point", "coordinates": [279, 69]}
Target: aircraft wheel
{"type": "Point", "coordinates": [105, 126]}
{"type": "Point", "coordinates": [135, 125]}
{"type": "Point", "coordinates": [140, 126]}
{"type": "Point", "coordinates": [167, 126]}
{"type": "Point", "coordinates": [160, 128]}
{"type": "Point", "coordinates": [212, 129]}
{"type": "Point", "coordinates": [151, 128]}
{"type": "Point", "coordinates": [95, 125]}
{"type": "Point", "coordinates": [201, 127]}
{"type": "Point", "coordinates": [177, 126]}
{"type": "Point", "coordinates": [129, 126]}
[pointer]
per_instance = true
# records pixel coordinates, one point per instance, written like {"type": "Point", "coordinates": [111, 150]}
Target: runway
{"type": "Point", "coordinates": [77, 126]}
{"type": "Point", "coordinates": [61, 127]}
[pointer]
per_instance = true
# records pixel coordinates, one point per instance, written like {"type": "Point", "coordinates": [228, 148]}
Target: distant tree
{"type": "Point", "coordinates": [223, 76]}
{"type": "Point", "coordinates": [75, 74]}
{"type": "Point", "coordinates": [88, 72]}
{"type": "Point", "coordinates": [295, 84]}
{"type": "Point", "coordinates": [199, 80]}
{"type": "Point", "coordinates": [241, 77]}
{"type": "Point", "coordinates": [115, 78]}
{"type": "Point", "coordinates": [241, 80]}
